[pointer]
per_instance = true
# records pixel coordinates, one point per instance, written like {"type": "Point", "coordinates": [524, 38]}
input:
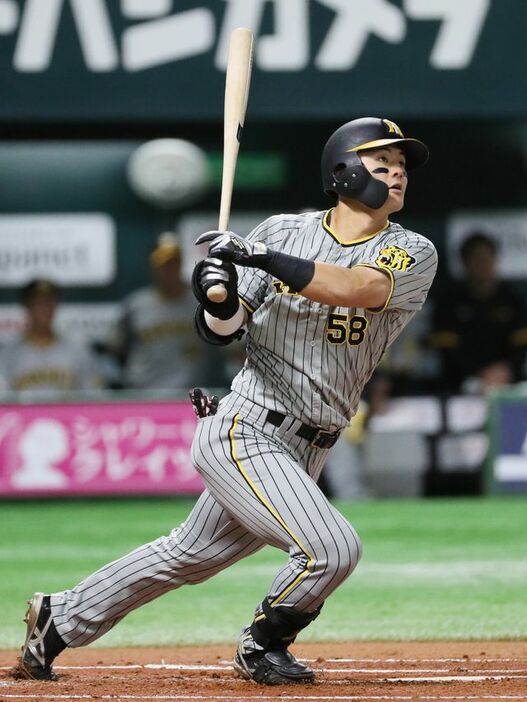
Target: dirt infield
{"type": "Point", "coordinates": [487, 670]}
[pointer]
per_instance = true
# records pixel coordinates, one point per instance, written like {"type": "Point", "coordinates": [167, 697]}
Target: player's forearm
{"type": "Point", "coordinates": [360, 286]}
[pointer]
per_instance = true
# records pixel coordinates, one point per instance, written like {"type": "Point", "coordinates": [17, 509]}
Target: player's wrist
{"type": "Point", "coordinates": [294, 271]}
{"type": "Point", "coordinates": [206, 333]}
{"type": "Point", "coordinates": [225, 327]}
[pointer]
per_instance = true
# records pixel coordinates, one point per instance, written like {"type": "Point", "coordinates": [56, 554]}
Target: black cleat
{"type": "Point", "coordinates": [269, 667]}
{"type": "Point", "coordinates": [42, 642]}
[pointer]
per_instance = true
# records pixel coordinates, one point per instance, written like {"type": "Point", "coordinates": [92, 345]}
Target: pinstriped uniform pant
{"type": "Point", "coordinates": [261, 490]}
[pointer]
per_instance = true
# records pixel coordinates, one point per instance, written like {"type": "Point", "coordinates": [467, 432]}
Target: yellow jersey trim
{"type": "Point", "coordinates": [378, 310]}
{"type": "Point", "coordinates": [310, 559]}
{"type": "Point", "coordinates": [335, 236]}
{"type": "Point", "coordinates": [246, 305]}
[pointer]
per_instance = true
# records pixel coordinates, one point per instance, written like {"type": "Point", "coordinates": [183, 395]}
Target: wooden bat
{"type": "Point", "coordinates": [237, 81]}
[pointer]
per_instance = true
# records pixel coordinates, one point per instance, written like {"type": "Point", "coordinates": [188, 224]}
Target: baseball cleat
{"type": "Point", "coordinates": [42, 642]}
{"type": "Point", "coordinates": [269, 667]}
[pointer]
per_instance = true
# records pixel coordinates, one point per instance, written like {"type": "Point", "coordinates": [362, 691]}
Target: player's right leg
{"type": "Point", "coordinates": [206, 543]}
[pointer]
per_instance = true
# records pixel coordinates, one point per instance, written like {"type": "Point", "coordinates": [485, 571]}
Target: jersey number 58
{"type": "Point", "coordinates": [344, 328]}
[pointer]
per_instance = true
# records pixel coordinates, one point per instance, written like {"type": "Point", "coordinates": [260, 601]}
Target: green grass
{"type": "Point", "coordinates": [434, 569]}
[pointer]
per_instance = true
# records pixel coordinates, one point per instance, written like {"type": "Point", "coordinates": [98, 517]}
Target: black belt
{"type": "Point", "coordinates": [317, 437]}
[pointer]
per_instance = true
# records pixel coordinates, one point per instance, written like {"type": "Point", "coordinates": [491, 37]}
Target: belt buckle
{"type": "Point", "coordinates": [322, 439]}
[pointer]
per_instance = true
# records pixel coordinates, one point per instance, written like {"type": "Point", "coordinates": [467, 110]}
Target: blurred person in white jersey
{"type": "Point", "coordinates": [41, 360]}
{"type": "Point", "coordinates": [154, 339]}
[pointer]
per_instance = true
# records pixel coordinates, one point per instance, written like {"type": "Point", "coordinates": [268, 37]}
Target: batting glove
{"type": "Point", "coordinates": [212, 271]}
{"type": "Point", "coordinates": [204, 405]}
{"type": "Point", "coordinates": [227, 246]}
{"type": "Point", "coordinates": [293, 271]}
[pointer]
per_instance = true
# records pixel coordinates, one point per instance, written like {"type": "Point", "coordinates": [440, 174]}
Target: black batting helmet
{"type": "Point", "coordinates": [342, 170]}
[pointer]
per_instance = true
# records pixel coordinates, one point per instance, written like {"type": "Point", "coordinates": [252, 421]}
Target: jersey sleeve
{"type": "Point", "coordinates": [253, 283]}
{"type": "Point", "coordinates": [411, 264]}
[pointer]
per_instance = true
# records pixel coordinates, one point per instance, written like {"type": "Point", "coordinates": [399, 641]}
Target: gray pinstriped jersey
{"type": "Point", "coordinates": [311, 360]}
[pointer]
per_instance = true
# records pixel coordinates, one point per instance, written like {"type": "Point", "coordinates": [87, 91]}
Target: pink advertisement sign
{"type": "Point", "coordinates": [97, 449]}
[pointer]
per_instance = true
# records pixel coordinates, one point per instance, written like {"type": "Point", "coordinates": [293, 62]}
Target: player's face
{"type": "Point", "coordinates": [41, 311]}
{"type": "Point", "coordinates": [481, 264]}
{"type": "Point", "coordinates": [389, 165]}
{"type": "Point", "coordinates": [168, 275]}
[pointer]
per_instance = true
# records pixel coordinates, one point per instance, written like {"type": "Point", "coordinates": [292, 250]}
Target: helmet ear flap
{"type": "Point", "coordinates": [349, 179]}
{"type": "Point", "coordinates": [353, 180]}
{"type": "Point", "coordinates": [375, 193]}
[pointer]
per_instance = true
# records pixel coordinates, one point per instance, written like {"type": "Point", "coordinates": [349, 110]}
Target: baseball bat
{"type": "Point", "coordinates": [237, 81]}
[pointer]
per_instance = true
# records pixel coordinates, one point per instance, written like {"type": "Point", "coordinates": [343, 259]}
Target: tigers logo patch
{"type": "Point", "coordinates": [394, 258]}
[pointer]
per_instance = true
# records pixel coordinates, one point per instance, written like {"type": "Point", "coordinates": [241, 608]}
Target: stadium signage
{"type": "Point", "coordinates": [70, 249]}
{"type": "Point", "coordinates": [97, 448]}
{"type": "Point", "coordinates": [508, 455]}
{"type": "Point", "coordinates": [162, 36]}
{"type": "Point", "coordinates": [103, 59]}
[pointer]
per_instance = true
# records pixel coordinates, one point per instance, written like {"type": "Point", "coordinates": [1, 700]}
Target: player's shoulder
{"type": "Point", "coordinates": [18, 345]}
{"type": "Point", "coordinates": [140, 297]}
{"type": "Point", "coordinates": [284, 223]}
{"type": "Point", "coordinates": [294, 220]}
{"type": "Point", "coordinates": [77, 350]}
{"type": "Point", "coordinates": [12, 349]}
{"type": "Point", "coordinates": [71, 345]}
{"type": "Point", "coordinates": [397, 235]}
{"type": "Point", "coordinates": [301, 219]}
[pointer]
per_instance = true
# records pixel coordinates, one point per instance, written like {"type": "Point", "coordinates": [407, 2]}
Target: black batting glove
{"type": "Point", "coordinates": [212, 271]}
{"type": "Point", "coordinates": [204, 405]}
{"type": "Point", "coordinates": [227, 246]}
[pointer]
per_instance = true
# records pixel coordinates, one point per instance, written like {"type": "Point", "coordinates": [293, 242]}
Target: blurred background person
{"type": "Point", "coordinates": [41, 360]}
{"type": "Point", "coordinates": [409, 367]}
{"type": "Point", "coordinates": [479, 326]}
{"type": "Point", "coordinates": [344, 476]}
{"type": "Point", "coordinates": [154, 339]}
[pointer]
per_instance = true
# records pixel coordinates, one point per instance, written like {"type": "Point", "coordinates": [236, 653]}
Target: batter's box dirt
{"type": "Point", "coordinates": [428, 671]}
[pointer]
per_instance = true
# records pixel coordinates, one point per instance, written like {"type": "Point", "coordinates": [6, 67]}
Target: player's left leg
{"type": "Point", "coordinates": [297, 594]}
{"type": "Point", "coordinates": [206, 543]}
{"type": "Point", "coordinates": [241, 455]}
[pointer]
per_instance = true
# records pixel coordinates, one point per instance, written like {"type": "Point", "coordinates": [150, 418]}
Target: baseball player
{"type": "Point", "coordinates": [154, 337]}
{"type": "Point", "coordinates": [321, 295]}
{"type": "Point", "coordinates": [41, 361]}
